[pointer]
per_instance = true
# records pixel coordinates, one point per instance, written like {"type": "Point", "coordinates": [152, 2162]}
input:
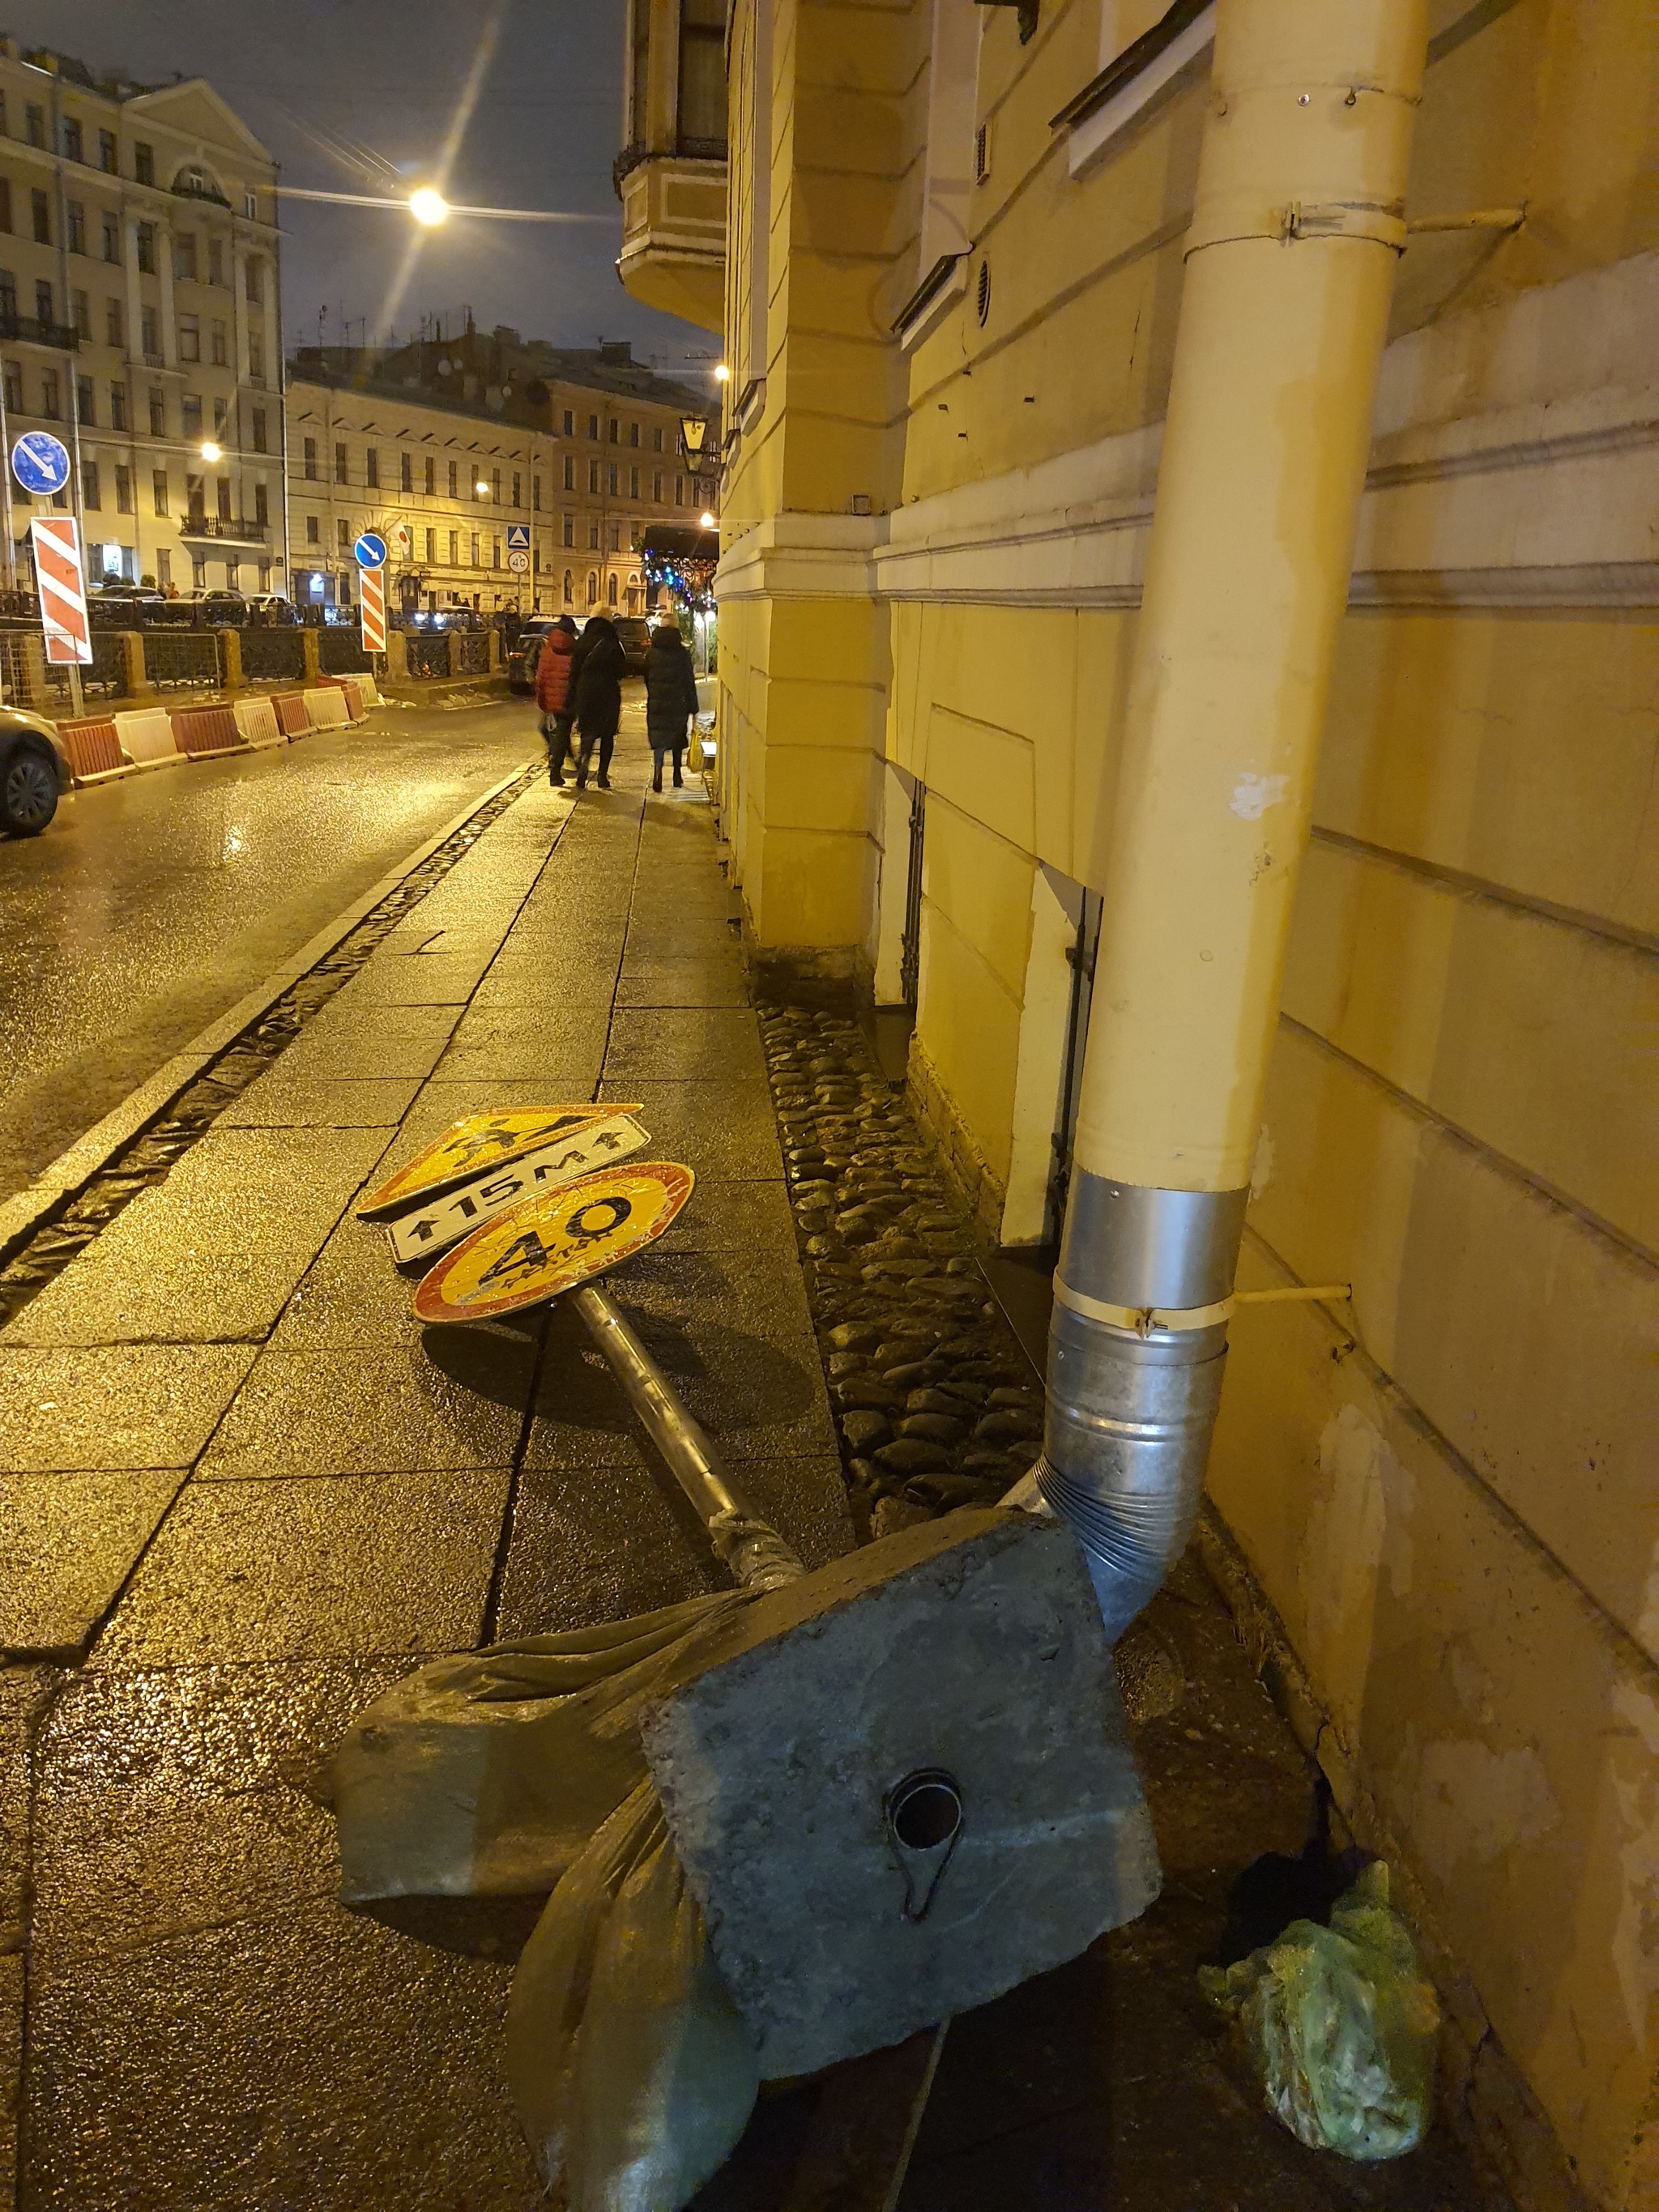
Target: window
{"type": "Point", "coordinates": [613, 431]}
{"type": "Point", "coordinates": [35, 125]}
{"type": "Point", "coordinates": [111, 224]}
{"type": "Point", "coordinates": [612, 477]}
{"type": "Point", "coordinates": [495, 552]}
{"type": "Point", "coordinates": [261, 503]}
{"type": "Point", "coordinates": [109, 160]}
{"type": "Point", "coordinates": [593, 426]}
{"type": "Point", "coordinates": [14, 385]}
{"type": "Point", "coordinates": [158, 418]}
{"type": "Point", "coordinates": [259, 431]}
{"type": "Point", "coordinates": [570, 472]}
{"type": "Point", "coordinates": [431, 546]}
{"type": "Point", "coordinates": [568, 581]}
{"type": "Point", "coordinates": [221, 415]}
{"type": "Point", "coordinates": [569, 421]}
{"type": "Point", "coordinates": [313, 529]}
{"type": "Point", "coordinates": [75, 147]}
{"type": "Point", "coordinates": [633, 434]}
{"type": "Point", "coordinates": [611, 591]}
{"type": "Point", "coordinates": [494, 487]}
{"type": "Point", "coordinates": [149, 328]}
{"type": "Point", "coordinates": [190, 413]}
{"type": "Point", "coordinates": [454, 549]}
{"type": "Point", "coordinates": [115, 330]}
{"type": "Point", "coordinates": [431, 476]}
{"type": "Point", "coordinates": [311, 460]}
{"type": "Point", "coordinates": [92, 495]}
{"type": "Point", "coordinates": [215, 261]}
{"type": "Point", "coordinates": [77, 226]}
{"type": "Point", "coordinates": [633, 483]}
{"type": "Point", "coordinates": [164, 565]}
{"type": "Point", "coordinates": [86, 401]}
{"type": "Point", "coordinates": [50, 407]}
{"type": "Point", "coordinates": [341, 474]}
{"type": "Point", "coordinates": [656, 486]}
{"type": "Point", "coordinates": [221, 346]}
{"type": "Point", "coordinates": [536, 494]}
{"type": "Point", "coordinates": [123, 489]}
{"type": "Point", "coordinates": [700, 120]}
{"type": "Point", "coordinates": [80, 315]}
{"type": "Point", "coordinates": [614, 533]}
{"type": "Point", "coordinates": [570, 531]}
{"type": "Point", "coordinates": [518, 489]}
{"type": "Point", "coordinates": [147, 248]}
{"type": "Point", "coordinates": [405, 472]}
{"type": "Point", "coordinates": [190, 338]}
{"type": "Point", "coordinates": [592, 588]}
{"type": "Point", "coordinates": [8, 293]}
{"type": "Point", "coordinates": [143, 163]}
{"type": "Point", "coordinates": [656, 440]}
{"type": "Point", "coordinates": [474, 549]}
{"type": "Point", "coordinates": [251, 207]}
{"type": "Point", "coordinates": [679, 491]}
{"type": "Point", "coordinates": [343, 532]}
{"type": "Point", "coordinates": [454, 487]}
{"type": "Point", "coordinates": [41, 207]}
{"type": "Point", "coordinates": [5, 202]}
{"type": "Point", "coordinates": [592, 537]}
{"type": "Point", "coordinates": [223, 489]}
{"type": "Point", "coordinates": [256, 356]}
{"type": "Point", "coordinates": [372, 467]}
{"type": "Point", "coordinates": [44, 310]}
{"type": "Point", "coordinates": [253, 280]}
{"type": "Point", "coordinates": [183, 256]}
{"type": "Point", "coordinates": [118, 407]}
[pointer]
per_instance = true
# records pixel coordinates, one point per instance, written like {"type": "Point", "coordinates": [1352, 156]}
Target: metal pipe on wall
{"type": "Point", "coordinates": [1298, 221]}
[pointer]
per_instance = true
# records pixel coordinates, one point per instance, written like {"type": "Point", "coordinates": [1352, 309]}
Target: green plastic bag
{"type": "Point", "coordinates": [1340, 2023]}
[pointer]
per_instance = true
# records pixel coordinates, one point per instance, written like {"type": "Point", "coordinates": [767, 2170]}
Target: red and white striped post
{"type": "Point", "coordinates": [371, 599]}
{"type": "Point", "coordinates": [62, 587]}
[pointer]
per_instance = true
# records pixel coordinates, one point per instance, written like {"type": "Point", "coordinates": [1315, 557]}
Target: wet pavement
{"type": "Point", "coordinates": [247, 1491]}
{"type": "Point", "coordinates": [154, 904]}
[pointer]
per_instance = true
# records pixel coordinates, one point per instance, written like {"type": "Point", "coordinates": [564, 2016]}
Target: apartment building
{"type": "Point", "coordinates": [140, 320]}
{"type": "Point", "coordinates": [451, 448]}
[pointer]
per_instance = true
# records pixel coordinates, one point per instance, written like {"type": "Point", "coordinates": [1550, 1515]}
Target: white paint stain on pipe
{"type": "Point", "coordinates": [1253, 794]}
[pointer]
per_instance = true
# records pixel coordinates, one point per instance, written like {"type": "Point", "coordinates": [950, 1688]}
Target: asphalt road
{"type": "Point", "coordinates": [153, 904]}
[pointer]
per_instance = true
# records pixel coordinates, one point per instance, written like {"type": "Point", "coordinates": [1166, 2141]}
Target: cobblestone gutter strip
{"type": "Point", "coordinates": [936, 1404]}
{"type": "Point", "coordinates": [44, 1249]}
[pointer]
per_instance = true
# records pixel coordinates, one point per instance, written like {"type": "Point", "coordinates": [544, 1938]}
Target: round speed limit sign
{"type": "Point", "coordinates": [518, 563]}
{"type": "Point", "coordinates": [554, 1242]}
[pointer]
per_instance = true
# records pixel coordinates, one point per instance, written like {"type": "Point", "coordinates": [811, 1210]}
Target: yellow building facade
{"type": "Point", "coordinates": [955, 241]}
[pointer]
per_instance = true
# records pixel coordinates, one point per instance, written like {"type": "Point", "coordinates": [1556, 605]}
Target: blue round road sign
{"type": "Point", "coordinates": [40, 463]}
{"type": "Point", "coordinates": [370, 550]}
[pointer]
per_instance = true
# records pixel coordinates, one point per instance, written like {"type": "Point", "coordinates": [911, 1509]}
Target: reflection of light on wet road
{"type": "Point", "coordinates": [235, 841]}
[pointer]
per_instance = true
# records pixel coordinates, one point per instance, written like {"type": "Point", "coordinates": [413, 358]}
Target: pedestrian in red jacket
{"type": "Point", "coordinates": [553, 694]}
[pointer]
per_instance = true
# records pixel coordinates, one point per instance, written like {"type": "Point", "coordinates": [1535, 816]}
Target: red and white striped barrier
{"type": "Point", "coordinates": [56, 540]}
{"type": "Point", "coordinates": [200, 729]}
{"type": "Point", "coordinates": [93, 747]}
{"type": "Point", "coordinates": [371, 591]}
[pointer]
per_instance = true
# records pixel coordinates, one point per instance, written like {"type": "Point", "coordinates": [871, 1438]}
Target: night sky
{"type": "Point", "coordinates": [389, 75]}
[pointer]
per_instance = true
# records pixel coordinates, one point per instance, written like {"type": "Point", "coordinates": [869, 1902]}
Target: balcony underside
{"type": "Point", "coordinates": [673, 254]}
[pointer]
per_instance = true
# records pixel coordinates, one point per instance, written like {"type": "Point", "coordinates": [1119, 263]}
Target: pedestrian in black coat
{"type": "Point", "coordinates": [597, 669]}
{"type": "Point", "coordinates": [670, 699]}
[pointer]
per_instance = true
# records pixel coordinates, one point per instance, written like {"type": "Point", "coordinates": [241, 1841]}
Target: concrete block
{"type": "Point", "coordinates": [971, 1646]}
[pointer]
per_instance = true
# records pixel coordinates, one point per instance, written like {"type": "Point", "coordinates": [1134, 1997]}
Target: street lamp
{"type": "Point", "coordinates": [707, 519]}
{"type": "Point", "coordinates": [429, 207]}
{"type": "Point", "coordinates": [722, 374]}
{"type": "Point", "coordinates": [694, 439]}
{"type": "Point", "coordinates": [210, 451]}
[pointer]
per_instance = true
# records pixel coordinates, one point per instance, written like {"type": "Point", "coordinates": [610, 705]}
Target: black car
{"type": "Point", "coordinates": [635, 634]}
{"type": "Point", "coordinates": [124, 606]}
{"type": "Point", "coordinates": [34, 772]}
{"type": "Point", "coordinates": [522, 653]}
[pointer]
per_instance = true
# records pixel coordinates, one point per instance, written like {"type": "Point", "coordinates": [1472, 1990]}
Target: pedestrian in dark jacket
{"type": "Point", "coordinates": [553, 693]}
{"type": "Point", "coordinates": [597, 669]}
{"type": "Point", "coordinates": [670, 699]}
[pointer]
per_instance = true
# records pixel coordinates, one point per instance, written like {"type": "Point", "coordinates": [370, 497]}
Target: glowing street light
{"type": "Point", "coordinates": [482, 489]}
{"type": "Point", "coordinates": [707, 519]}
{"type": "Point", "coordinates": [429, 207]}
{"type": "Point", "coordinates": [211, 452]}
{"type": "Point", "coordinates": [722, 374]}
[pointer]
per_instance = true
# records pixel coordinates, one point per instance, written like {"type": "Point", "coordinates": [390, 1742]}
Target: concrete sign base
{"type": "Point", "coordinates": [959, 1660]}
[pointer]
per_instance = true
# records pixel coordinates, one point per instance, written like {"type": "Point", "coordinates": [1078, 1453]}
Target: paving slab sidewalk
{"type": "Point", "coordinates": [251, 1491]}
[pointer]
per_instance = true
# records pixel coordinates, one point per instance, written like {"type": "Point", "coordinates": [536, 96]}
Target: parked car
{"type": "Point", "coordinates": [522, 655]}
{"type": "Point", "coordinates": [34, 772]}
{"type": "Point", "coordinates": [270, 611]}
{"type": "Point", "coordinates": [124, 606]}
{"type": "Point", "coordinates": [634, 632]}
{"type": "Point", "coordinates": [222, 608]}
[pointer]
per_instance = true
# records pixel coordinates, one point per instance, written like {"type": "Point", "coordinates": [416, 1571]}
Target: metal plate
{"type": "Point", "coordinates": [432, 1229]}
{"type": "Point", "coordinates": [551, 1244]}
{"type": "Point", "coordinates": [481, 1141]}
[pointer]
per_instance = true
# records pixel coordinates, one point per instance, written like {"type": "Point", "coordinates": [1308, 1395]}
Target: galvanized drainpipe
{"type": "Point", "coordinates": [1299, 219]}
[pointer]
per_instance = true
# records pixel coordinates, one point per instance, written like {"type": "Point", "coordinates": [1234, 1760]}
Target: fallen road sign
{"type": "Point", "coordinates": [551, 1243]}
{"type": "Point", "coordinates": [432, 1229]}
{"type": "Point", "coordinates": [479, 1141]}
